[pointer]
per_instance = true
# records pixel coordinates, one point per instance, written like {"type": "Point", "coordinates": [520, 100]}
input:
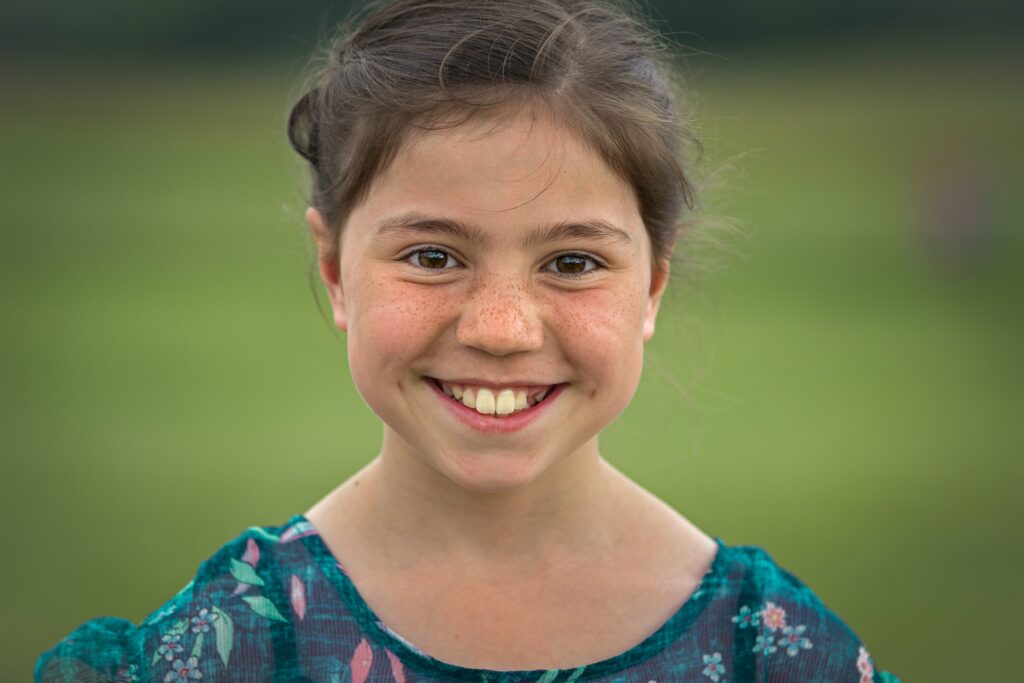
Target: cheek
{"type": "Point", "coordinates": [603, 331]}
{"type": "Point", "coordinates": [390, 323]}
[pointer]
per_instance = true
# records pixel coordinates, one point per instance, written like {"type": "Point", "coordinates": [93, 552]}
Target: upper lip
{"type": "Point", "coordinates": [516, 384]}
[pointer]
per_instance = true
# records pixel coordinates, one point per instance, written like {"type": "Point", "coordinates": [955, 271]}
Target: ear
{"type": "Point", "coordinates": [659, 280]}
{"type": "Point", "coordinates": [330, 266]}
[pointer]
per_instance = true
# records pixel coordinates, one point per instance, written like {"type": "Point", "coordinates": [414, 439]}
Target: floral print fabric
{"type": "Point", "coordinates": [275, 605]}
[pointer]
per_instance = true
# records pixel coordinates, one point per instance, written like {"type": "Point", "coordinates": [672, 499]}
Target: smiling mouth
{"type": "Point", "coordinates": [495, 403]}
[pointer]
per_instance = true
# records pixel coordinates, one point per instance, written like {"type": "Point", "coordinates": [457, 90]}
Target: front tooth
{"type": "Point", "coordinates": [506, 402]}
{"type": "Point", "coordinates": [484, 401]}
{"type": "Point", "coordinates": [457, 392]}
{"type": "Point", "coordinates": [520, 400]}
{"type": "Point", "coordinates": [468, 399]}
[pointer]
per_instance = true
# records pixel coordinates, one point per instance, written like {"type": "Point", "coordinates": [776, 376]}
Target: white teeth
{"type": "Point", "coordinates": [485, 402]}
{"type": "Point", "coordinates": [506, 402]}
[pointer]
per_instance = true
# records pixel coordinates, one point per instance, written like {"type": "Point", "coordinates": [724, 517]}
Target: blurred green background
{"type": "Point", "coordinates": [848, 391]}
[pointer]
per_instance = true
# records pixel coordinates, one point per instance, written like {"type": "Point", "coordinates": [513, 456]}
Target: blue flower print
{"type": "Point", "coordinates": [171, 647]}
{"type": "Point", "coordinates": [184, 671]}
{"type": "Point", "coordinates": [714, 668]}
{"type": "Point", "coordinates": [747, 618]}
{"type": "Point", "coordinates": [793, 640]}
{"type": "Point", "coordinates": [765, 644]}
{"type": "Point", "coordinates": [202, 621]}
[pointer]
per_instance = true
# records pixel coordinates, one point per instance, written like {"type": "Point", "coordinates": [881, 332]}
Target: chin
{"type": "Point", "coordinates": [492, 473]}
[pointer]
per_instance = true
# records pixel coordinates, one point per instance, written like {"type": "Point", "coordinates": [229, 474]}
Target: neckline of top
{"type": "Point", "coordinates": [371, 624]}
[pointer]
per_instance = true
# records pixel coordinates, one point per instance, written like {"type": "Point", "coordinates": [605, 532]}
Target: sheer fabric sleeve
{"type": "Point", "coordinates": [99, 651]}
{"type": "Point", "coordinates": [218, 627]}
{"type": "Point", "coordinates": [795, 638]}
{"type": "Point", "coordinates": [802, 642]}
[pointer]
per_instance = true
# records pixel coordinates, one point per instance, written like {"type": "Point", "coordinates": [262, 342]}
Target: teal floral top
{"type": "Point", "coordinates": [275, 605]}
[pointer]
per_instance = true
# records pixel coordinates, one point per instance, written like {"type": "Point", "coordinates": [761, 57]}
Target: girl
{"type": "Point", "coordinates": [497, 189]}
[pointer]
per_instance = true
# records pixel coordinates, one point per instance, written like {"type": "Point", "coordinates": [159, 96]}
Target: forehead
{"type": "Point", "coordinates": [507, 174]}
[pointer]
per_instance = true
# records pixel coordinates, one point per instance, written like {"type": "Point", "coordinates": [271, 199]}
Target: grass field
{"type": "Point", "coordinates": [846, 392]}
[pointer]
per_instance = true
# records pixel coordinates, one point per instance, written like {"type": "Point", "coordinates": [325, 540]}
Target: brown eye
{"type": "Point", "coordinates": [432, 259]}
{"type": "Point", "coordinates": [571, 265]}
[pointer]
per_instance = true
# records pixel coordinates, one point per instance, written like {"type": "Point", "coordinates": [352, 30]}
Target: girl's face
{"type": "Point", "coordinates": [489, 267]}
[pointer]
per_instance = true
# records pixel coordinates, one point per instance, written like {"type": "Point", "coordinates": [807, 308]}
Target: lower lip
{"type": "Point", "coordinates": [490, 423]}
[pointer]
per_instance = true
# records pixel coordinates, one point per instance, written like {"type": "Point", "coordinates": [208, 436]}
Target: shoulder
{"type": "Point", "coordinates": [228, 611]}
{"type": "Point", "coordinates": [781, 630]}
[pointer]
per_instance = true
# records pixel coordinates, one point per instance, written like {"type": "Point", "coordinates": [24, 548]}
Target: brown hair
{"type": "Point", "coordinates": [422, 64]}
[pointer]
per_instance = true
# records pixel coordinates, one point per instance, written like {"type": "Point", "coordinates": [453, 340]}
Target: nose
{"type": "Point", "coordinates": [500, 320]}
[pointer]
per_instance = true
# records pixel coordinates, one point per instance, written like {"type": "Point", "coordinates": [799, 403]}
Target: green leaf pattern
{"type": "Point", "coordinates": [245, 573]}
{"type": "Point", "coordinates": [224, 631]}
{"type": "Point", "coordinates": [263, 607]}
{"type": "Point", "coordinates": [223, 625]}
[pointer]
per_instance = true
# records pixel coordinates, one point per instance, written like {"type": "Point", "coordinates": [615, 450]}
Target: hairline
{"type": "Point", "coordinates": [464, 116]}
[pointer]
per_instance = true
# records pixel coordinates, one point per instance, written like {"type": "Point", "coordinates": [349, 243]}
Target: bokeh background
{"type": "Point", "coordinates": [846, 390]}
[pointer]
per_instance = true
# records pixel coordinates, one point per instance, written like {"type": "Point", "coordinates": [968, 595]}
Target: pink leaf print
{"type": "Point", "coordinates": [296, 531]}
{"type": "Point", "coordinates": [252, 553]}
{"type": "Point", "coordinates": [240, 588]}
{"type": "Point", "coordinates": [362, 658]}
{"type": "Point", "coordinates": [298, 596]}
{"type": "Point", "coordinates": [396, 666]}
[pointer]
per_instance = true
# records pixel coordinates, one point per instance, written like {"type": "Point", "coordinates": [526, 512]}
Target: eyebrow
{"type": "Point", "coordinates": [414, 223]}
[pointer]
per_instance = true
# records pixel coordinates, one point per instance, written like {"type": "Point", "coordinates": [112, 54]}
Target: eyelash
{"type": "Point", "coordinates": [597, 265]}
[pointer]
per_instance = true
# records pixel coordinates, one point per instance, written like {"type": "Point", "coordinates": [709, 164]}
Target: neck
{"type": "Point", "coordinates": [410, 513]}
